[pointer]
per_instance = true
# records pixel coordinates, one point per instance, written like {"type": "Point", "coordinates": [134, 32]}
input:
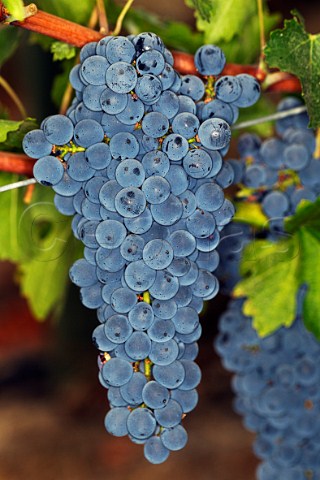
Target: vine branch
{"type": "Point", "coordinates": [54, 27]}
{"type": "Point", "coordinates": [16, 163]}
{"type": "Point", "coordinates": [272, 82]}
{"type": "Point", "coordinates": [78, 35]}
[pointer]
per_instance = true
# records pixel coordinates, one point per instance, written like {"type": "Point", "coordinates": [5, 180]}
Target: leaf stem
{"type": "Point", "coordinates": [14, 97]}
{"type": "Point", "coordinates": [262, 67]}
{"type": "Point", "coordinates": [121, 16]}
{"type": "Point", "coordinates": [103, 19]}
{"type": "Point", "coordinates": [261, 27]}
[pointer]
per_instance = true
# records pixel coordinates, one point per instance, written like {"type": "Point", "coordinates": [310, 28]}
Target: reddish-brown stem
{"type": "Point", "coordinates": [60, 29]}
{"type": "Point", "coordinates": [285, 82]}
{"type": "Point", "coordinates": [290, 84]}
{"type": "Point", "coordinates": [78, 35]}
{"type": "Point", "coordinates": [16, 163]}
{"type": "Point", "coordinates": [183, 62]}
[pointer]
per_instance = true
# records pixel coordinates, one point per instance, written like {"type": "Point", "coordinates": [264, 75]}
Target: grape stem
{"type": "Point", "coordinates": [78, 35]}
{"type": "Point", "coordinates": [147, 368]}
{"type": "Point", "coordinates": [103, 19]}
{"type": "Point", "coordinates": [121, 16]}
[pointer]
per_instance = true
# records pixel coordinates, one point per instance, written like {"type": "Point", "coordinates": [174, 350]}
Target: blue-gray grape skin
{"type": "Point", "coordinates": [276, 378]}
{"type": "Point", "coordinates": [137, 162]}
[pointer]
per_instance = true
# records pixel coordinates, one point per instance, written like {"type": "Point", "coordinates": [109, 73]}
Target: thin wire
{"type": "Point", "coordinates": [22, 183]}
{"type": "Point", "coordinates": [268, 118]}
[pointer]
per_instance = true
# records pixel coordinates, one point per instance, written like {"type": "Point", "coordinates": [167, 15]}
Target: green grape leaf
{"type": "Point", "coordinates": [273, 273]}
{"type": "Point", "coordinates": [62, 51]}
{"type": "Point", "coordinates": [15, 8]}
{"type": "Point", "coordinates": [50, 251]}
{"type": "Point", "coordinates": [234, 26]}
{"type": "Point", "coordinates": [244, 47]}
{"type": "Point", "coordinates": [9, 41]}
{"type": "Point", "coordinates": [78, 12]}
{"type": "Point", "coordinates": [12, 133]}
{"type": "Point", "coordinates": [10, 210]}
{"type": "Point", "coordinates": [226, 20]}
{"type": "Point", "coordinates": [270, 284]}
{"type": "Point", "coordinates": [203, 8]}
{"type": "Point", "coordinates": [293, 50]}
{"type": "Point", "coordinates": [251, 213]}
{"type": "Point", "coordinates": [307, 214]}
{"type": "Point", "coordinates": [39, 240]}
{"type": "Point", "coordinates": [310, 276]}
{"type": "Point", "coordinates": [7, 126]}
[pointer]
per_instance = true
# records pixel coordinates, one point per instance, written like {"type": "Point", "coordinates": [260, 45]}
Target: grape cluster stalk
{"type": "Point", "coordinates": [138, 162]}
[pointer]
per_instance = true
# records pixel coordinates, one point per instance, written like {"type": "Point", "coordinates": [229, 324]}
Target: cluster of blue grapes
{"type": "Point", "coordinates": [277, 392]}
{"type": "Point", "coordinates": [277, 173]}
{"type": "Point", "coordinates": [276, 378]}
{"type": "Point", "coordinates": [281, 171]}
{"type": "Point", "coordinates": [137, 161]}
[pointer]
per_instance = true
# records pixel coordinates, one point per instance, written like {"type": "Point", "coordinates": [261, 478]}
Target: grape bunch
{"type": "Point", "coordinates": [276, 378]}
{"type": "Point", "coordinates": [137, 161]}
{"type": "Point", "coordinates": [277, 174]}
{"type": "Point", "coordinates": [276, 383]}
{"type": "Point", "coordinates": [281, 171]}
